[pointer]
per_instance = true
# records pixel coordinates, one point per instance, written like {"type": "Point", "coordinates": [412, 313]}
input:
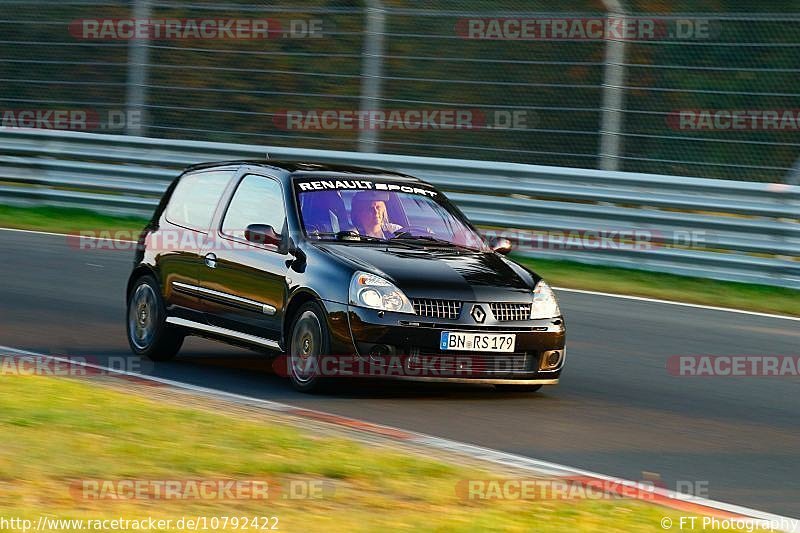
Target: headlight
{"type": "Point", "coordinates": [369, 290]}
{"type": "Point", "coordinates": [545, 304]}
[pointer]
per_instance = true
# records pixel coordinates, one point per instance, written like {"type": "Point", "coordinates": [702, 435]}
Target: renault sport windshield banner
{"type": "Point", "coordinates": [318, 184]}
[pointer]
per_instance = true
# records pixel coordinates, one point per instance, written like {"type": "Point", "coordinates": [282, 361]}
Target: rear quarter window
{"type": "Point", "coordinates": [195, 199]}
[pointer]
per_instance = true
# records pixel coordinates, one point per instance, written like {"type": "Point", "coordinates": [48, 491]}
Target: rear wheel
{"type": "Point", "coordinates": [309, 341]}
{"type": "Point", "coordinates": [508, 387]}
{"type": "Point", "coordinates": [149, 335]}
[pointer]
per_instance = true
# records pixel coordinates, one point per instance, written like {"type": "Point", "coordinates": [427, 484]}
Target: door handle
{"type": "Point", "coordinates": [211, 261]}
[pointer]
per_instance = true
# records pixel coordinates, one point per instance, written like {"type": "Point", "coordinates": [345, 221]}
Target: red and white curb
{"type": "Point", "coordinates": [641, 491]}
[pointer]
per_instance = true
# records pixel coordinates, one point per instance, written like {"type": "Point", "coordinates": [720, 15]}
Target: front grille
{"type": "Point", "coordinates": [447, 309]}
{"type": "Point", "coordinates": [465, 365]}
{"type": "Point", "coordinates": [508, 312]}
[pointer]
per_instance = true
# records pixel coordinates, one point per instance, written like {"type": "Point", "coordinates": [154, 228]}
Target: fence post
{"type": "Point", "coordinates": [613, 93]}
{"type": "Point", "coordinates": [371, 72]}
{"type": "Point", "coordinates": [138, 58]}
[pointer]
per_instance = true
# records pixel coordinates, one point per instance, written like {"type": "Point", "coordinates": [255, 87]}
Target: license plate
{"type": "Point", "coordinates": [477, 342]}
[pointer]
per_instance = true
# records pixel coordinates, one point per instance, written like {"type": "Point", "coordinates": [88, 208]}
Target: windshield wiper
{"type": "Point", "coordinates": [407, 237]}
{"type": "Point", "coordinates": [348, 236]}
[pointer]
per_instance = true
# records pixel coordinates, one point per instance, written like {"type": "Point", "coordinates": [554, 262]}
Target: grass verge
{"type": "Point", "coordinates": [65, 220]}
{"type": "Point", "coordinates": [57, 431]}
{"type": "Point", "coordinates": [560, 273]}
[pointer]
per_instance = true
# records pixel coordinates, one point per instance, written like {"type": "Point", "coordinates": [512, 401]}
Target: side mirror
{"type": "Point", "coordinates": [262, 234]}
{"type": "Point", "coordinates": [501, 245]}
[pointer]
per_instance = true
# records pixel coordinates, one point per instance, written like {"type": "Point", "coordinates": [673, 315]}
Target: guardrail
{"type": "Point", "coordinates": [719, 229]}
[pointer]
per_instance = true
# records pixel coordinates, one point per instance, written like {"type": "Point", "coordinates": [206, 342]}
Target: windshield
{"type": "Point", "coordinates": [369, 210]}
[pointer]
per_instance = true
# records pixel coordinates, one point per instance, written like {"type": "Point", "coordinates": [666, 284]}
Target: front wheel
{"type": "Point", "coordinates": [149, 335]}
{"type": "Point", "coordinates": [308, 343]}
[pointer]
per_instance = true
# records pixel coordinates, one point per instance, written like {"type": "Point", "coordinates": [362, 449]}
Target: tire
{"type": "Point", "coordinates": [507, 387]}
{"type": "Point", "coordinates": [309, 339]}
{"type": "Point", "coordinates": [149, 335]}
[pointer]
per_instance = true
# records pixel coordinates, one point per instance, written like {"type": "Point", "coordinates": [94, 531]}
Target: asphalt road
{"type": "Point", "coordinates": [617, 410]}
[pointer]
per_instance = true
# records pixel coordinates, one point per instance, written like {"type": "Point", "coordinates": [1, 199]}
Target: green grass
{"type": "Point", "coordinates": [560, 273]}
{"type": "Point", "coordinates": [65, 220]}
{"type": "Point", "coordinates": [56, 431]}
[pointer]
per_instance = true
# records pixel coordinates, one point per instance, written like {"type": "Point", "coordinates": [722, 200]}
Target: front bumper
{"type": "Point", "coordinates": [407, 347]}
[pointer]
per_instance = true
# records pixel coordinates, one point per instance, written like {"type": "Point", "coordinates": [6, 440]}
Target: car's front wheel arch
{"type": "Point", "coordinates": [307, 345]}
{"type": "Point", "coordinates": [296, 301]}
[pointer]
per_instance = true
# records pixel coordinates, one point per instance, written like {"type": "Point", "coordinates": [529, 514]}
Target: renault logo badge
{"type": "Point", "coordinates": [478, 314]}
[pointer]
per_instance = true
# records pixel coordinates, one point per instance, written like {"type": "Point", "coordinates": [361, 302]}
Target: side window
{"type": "Point", "coordinates": [257, 200]}
{"type": "Point", "coordinates": [195, 198]}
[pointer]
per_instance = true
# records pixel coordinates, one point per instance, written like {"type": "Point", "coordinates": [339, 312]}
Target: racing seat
{"type": "Point", "coordinates": [326, 213]}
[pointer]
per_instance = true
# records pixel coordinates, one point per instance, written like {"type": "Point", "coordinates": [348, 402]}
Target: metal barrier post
{"type": "Point", "coordinates": [138, 58]}
{"type": "Point", "coordinates": [372, 67]}
{"type": "Point", "coordinates": [613, 93]}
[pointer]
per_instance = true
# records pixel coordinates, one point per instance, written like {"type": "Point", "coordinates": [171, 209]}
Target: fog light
{"type": "Point", "coordinates": [550, 360]}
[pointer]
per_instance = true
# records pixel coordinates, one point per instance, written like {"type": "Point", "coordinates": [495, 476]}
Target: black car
{"type": "Point", "coordinates": [339, 272]}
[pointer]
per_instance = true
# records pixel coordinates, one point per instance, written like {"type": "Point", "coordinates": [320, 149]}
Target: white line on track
{"type": "Point", "coordinates": [541, 468]}
{"type": "Point", "coordinates": [682, 304]}
{"type": "Point", "coordinates": [564, 289]}
{"type": "Point", "coordinates": [73, 235]}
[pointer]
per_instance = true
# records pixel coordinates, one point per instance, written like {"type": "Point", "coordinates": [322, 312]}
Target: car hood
{"type": "Point", "coordinates": [433, 272]}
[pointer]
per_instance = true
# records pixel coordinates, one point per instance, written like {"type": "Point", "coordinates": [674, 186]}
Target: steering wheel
{"type": "Point", "coordinates": [411, 231]}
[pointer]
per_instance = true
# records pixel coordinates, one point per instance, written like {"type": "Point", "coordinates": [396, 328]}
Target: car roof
{"type": "Point", "coordinates": [309, 168]}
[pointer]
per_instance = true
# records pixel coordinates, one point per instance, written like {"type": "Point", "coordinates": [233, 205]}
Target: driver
{"type": "Point", "coordinates": [368, 213]}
